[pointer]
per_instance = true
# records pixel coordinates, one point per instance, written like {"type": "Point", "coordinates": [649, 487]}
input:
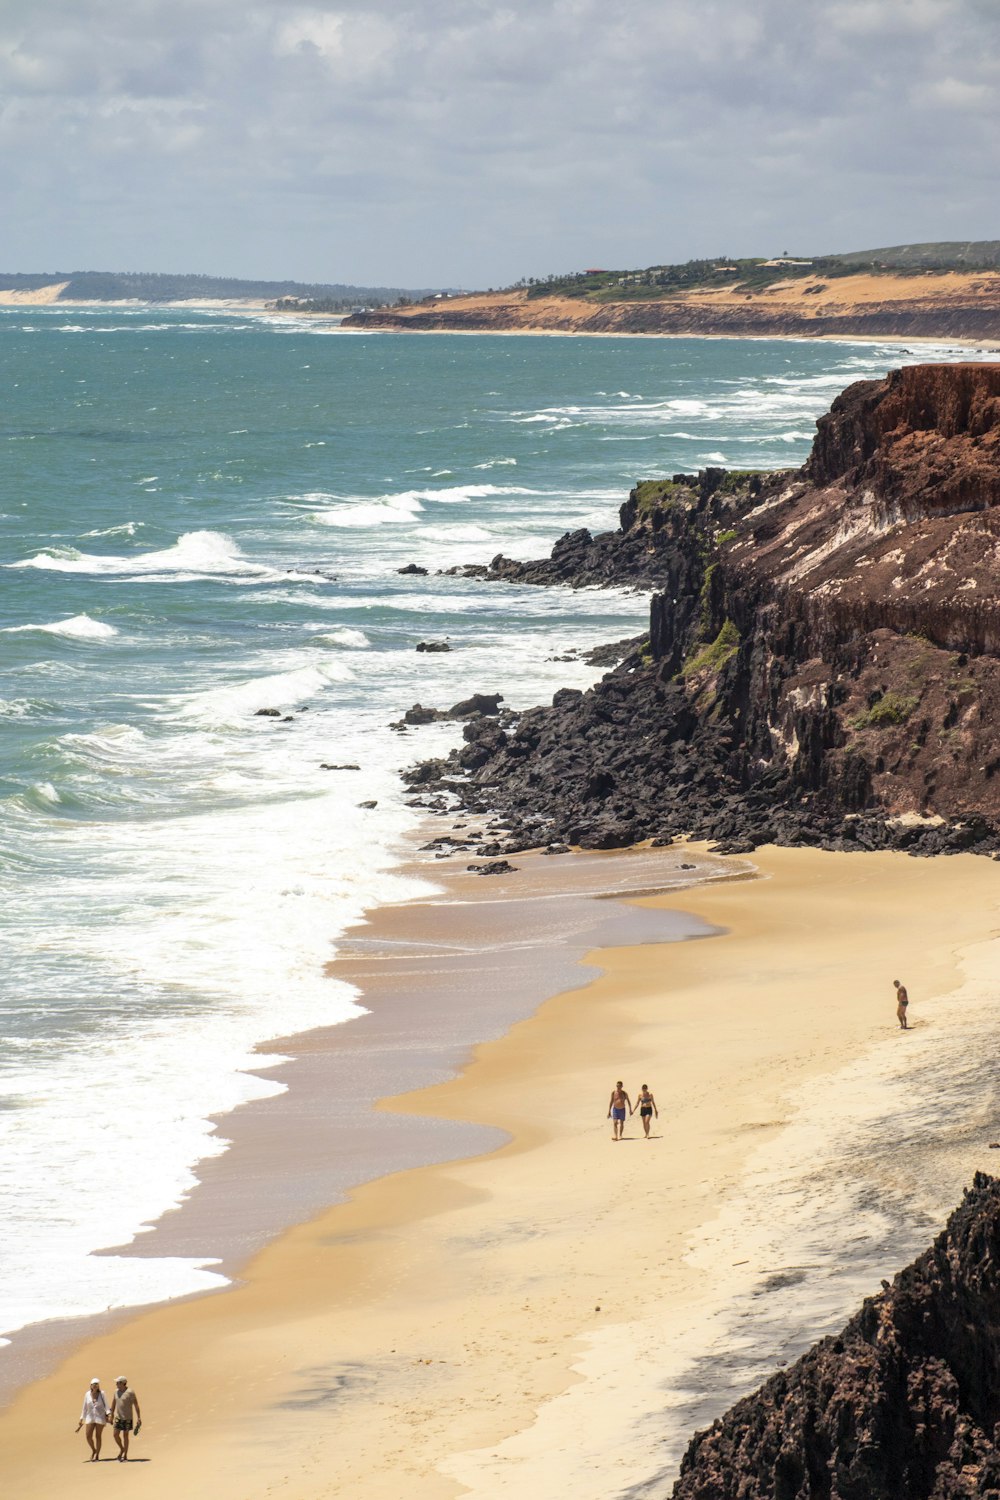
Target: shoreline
{"type": "Point", "coordinates": [335, 1076]}
{"type": "Point", "coordinates": [332, 323]}
{"type": "Point", "coordinates": [439, 1329]}
{"type": "Point", "coordinates": [988, 346]}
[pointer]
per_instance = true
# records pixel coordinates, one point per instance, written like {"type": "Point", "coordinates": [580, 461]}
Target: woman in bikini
{"type": "Point", "coordinates": [647, 1108]}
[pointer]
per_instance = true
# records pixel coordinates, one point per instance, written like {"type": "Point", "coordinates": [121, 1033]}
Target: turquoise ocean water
{"type": "Point", "coordinates": [202, 515]}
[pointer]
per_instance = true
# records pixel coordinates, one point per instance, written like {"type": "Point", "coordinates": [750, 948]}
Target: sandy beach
{"type": "Point", "coordinates": [552, 1315]}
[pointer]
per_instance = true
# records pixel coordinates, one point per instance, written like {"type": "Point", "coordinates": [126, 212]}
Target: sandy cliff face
{"type": "Point", "coordinates": [933, 305]}
{"type": "Point", "coordinates": [903, 1405]}
{"type": "Point", "coordinates": [823, 662]}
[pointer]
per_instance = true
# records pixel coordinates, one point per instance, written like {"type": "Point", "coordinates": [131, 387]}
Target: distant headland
{"type": "Point", "coordinates": [46, 287]}
{"type": "Point", "coordinates": [925, 291]}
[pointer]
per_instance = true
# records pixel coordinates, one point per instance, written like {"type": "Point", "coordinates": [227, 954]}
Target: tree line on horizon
{"type": "Point", "coordinates": [155, 286]}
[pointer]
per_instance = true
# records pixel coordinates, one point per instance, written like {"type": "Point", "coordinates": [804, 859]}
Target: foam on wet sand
{"type": "Point", "coordinates": [553, 1315]}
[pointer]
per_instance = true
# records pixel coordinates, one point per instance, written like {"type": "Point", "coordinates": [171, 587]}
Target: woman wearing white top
{"type": "Point", "coordinates": [95, 1414]}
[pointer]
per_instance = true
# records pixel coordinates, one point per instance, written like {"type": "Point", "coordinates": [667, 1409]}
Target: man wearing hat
{"type": "Point", "coordinates": [125, 1416]}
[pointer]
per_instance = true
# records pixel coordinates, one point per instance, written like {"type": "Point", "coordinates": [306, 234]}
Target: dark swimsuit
{"type": "Point", "coordinates": [644, 1109]}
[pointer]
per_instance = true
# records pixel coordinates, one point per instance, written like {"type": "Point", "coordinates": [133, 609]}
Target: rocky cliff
{"type": "Point", "coordinates": [953, 305]}
{"type": "Point", "coordinates": [903, 1405]}
{"type": "Point", "coordinates": [823, 659]}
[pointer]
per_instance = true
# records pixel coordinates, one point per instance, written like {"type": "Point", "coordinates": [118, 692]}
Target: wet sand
{"type": "Point", "coordinates": [505, 1323]}
{"type": "Point", "coordinates": [438, 975]}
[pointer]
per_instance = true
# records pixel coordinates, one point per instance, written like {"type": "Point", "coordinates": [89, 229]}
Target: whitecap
{"type": "Point", "coordinates": [196, 553]}
{"type": "Point", "coordinates": [231, 703]}
{"type": "Point", "coordinates": [393, 510]}
{"type": "Point", "coordinates": [127, 528]}
{"type": "Point", "coordinates": [46, 792]}
{"type": "Point", "coordinates": [78, 627]}
{"type": "Point", "coordinates": [402, 507]}
{"type": "Point", "coordinates": [345, 636]}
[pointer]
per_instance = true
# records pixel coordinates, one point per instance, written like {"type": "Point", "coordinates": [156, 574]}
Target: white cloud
{"type": "Point", "coordinates": [957, 93]}
{"type": "Point", "coordinates": [462, 141]}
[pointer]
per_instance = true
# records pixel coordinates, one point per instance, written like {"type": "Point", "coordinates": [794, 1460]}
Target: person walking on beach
{"type": "Point", "coordinates": [616, 1110]}
{"type": "Point", "coordinates": [124, 1412]}
{"type": "Point", "coordinates": [646, 1106]}
{"type": "Point", "coordinates": [95, 1416]}
{"type": "Point", "coordinates": [902, 1001]}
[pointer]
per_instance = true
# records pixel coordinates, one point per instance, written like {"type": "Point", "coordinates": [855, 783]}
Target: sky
{"type": "Point", "coordinates": [464, 143]}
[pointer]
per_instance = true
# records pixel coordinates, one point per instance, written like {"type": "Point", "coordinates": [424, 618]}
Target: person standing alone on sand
{"type": "Point", "coordinates": [616, 1110]}
{"type": "Point", "coordinates": [646, 1105]}
{"type": "Point", "coordinates": [124, 1410]}
{"type": "Point", "coordinates": [902, 1001]}
{"type": "Point", "coordinates": [95, 1415]}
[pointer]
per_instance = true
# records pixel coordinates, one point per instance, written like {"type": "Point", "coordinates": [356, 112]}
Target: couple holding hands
{"type": "Point", "coordinates": [620, 1101]}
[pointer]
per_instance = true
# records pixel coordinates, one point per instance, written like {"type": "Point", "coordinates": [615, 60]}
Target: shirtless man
{"type": "Point", "coordinates": [616, 1110]}
{"type": "Point", "coordinates": [902, 1001]}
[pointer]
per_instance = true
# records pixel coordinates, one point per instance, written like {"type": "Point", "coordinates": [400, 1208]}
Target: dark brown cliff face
{"type": "Point", "coordinates": [903, 1405]}
{"type": "Point", "coordinates": [823, 662]}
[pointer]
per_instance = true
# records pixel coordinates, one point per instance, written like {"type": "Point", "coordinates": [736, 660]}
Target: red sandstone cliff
{"type": "Point", "coordinates": [823, 663]}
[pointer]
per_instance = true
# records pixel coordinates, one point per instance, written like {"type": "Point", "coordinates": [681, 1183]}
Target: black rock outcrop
{"type": "Point", "coordinates": [823, 657]}
{"type": "Point", "coordinates": [904, 1404]}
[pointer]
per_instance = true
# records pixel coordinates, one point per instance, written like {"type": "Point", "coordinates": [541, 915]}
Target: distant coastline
{"type": "Point", "coordinates": [951, 305]}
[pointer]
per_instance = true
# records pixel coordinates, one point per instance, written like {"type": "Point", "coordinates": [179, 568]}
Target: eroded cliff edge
{"type": "Point", "coordinates": [823, 658]}
{"type": "Point", "coordinates": [904, 1404]}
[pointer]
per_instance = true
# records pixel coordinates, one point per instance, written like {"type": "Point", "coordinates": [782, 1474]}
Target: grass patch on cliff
{"type": "Point", "coordinates": [892, 708]}
{"type": "Point", "coordinates": [713, 657]}
{"type": "Point", "coordinates": [651, 494]}
{"type": "Point", "coordinates": [735, 481]}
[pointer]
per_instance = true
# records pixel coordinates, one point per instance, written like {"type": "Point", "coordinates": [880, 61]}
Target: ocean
{"type": "Point", "coordinates": [202, 516]}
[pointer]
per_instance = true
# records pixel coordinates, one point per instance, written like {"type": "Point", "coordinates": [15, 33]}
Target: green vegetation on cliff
{"type": "Point", "coordinates": [757, 272]}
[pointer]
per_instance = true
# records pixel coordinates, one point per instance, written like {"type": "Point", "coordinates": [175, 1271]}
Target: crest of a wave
{"type": "Point", "coordinates": [355, 640]}
{"type": "Point", "coordinates": [198, 552]}
{"type": "Point", "coordinates": [79, 627]}
{"type": "Point", "coordinates": [233, 702]}
{"type": "Point", "coordinates": [404, 507]}
{"type": "Point", "coordinates": [127, 528]}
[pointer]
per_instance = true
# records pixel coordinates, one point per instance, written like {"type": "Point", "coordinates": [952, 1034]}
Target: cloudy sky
{"type": "Point", "coordinates": [468, 142]}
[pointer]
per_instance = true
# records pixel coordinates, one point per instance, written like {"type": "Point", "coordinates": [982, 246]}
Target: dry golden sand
{"type": "Point", "coordinates": [412, 1341]}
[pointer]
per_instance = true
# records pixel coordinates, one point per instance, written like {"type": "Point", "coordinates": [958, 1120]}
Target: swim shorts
{"type": "Point", "coordinates": [122, 1426]}
{"type": "Point", "coordinates": [618, 1114]}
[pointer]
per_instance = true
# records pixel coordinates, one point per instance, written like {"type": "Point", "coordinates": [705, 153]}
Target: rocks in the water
{"type": "Point", "coordinates": [414, 570]}
{"type": "Point", "coordinates": [433, 646]}
{"type": "Point", "coordinates": [487, 704]}
{"type": "Point", "coordinates": [324, 767]}
{"type": "Point", "coordinates": [479, 705]}
{"type": "Point", "coordinates": [494, 867]}
{"type": "Point", "coordinates": [904, 1404]}
{"type": "Point", "coordinates": [822, 666]}
{"type": "Point", "coordinates": [556, 849]}
{"type": "Point", "coordinates": [371, 803]}
{"type": "Point", "coordinates": [267, 713]}
{"type": "Point", "coordinates": [420, 715]}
